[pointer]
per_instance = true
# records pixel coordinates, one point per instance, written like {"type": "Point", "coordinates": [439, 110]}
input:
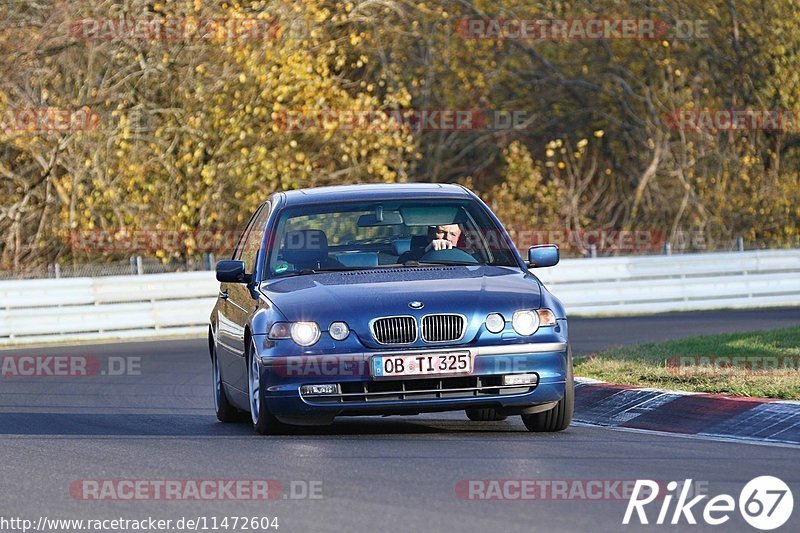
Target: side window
{"type": "Point", "coordinates": [237, 251]}
{"type": "Point", "coordinates": [252, 240]}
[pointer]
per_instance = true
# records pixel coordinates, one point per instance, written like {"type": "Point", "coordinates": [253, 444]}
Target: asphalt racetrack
{"type": "Point", "coordinates": [63, 437]}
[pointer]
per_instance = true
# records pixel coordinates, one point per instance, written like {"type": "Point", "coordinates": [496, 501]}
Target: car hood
{"type": "Point", "coordinates": [359, 296]}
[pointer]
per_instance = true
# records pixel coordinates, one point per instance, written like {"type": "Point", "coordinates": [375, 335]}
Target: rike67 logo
{"type": "Point", "coordinates": [765, 503]}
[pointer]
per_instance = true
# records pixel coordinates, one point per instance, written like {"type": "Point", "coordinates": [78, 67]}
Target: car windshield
{"type": "Point", "coordinates": [375, 234]}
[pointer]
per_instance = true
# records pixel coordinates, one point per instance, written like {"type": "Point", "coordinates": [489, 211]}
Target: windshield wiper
{"type": "Point", "coordinates": [308, 271]}
{"type": "Point", "coordinates": [303, 272]}
{"type": "Point", "coordinates": [445, 263]}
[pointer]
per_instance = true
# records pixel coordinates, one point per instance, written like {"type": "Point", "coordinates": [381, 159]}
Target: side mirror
{"type": "Point", "coordinates": [232, 272]}
{"type": "Point", "coordinates": [543, 255]}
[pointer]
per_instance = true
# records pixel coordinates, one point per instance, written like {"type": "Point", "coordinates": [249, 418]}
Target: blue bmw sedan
{"type": "Point", "coordinates": [381, 300]}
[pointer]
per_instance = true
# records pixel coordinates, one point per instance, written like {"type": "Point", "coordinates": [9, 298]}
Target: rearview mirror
{"type": "Point", "coordinates": [543, 255]}
{"type": "Point", "coordinates": [387, 218]}
{"type": "Point", "coordinates": [232, 272]}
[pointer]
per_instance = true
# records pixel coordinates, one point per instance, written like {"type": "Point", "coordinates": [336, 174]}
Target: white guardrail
{"type": "Point", "coordinates": [71, 309]}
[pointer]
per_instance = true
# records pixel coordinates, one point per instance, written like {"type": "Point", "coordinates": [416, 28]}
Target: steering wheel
{"type": "Point", "coordinates": [452, 254]}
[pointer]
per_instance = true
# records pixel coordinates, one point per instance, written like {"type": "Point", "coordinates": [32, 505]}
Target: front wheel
{"type": "Point", "coordinates": [263, 421]}
{"type": "Point", "coordinates": [559, 417]}
{"type": "Point", "coordinates": [225, 411]}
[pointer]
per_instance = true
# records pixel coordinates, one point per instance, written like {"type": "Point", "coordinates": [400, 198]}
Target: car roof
{"type": "Point", "coordinates": [374, 191]}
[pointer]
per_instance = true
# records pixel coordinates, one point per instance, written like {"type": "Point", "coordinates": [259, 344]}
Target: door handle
{"type": "Point", "coordinates": [223, 295]}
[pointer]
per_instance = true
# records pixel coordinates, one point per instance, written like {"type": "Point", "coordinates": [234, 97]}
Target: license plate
{"type": "Point", "coordinates": [387, 366]}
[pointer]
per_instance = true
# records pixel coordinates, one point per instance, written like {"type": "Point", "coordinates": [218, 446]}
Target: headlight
{"type": "Point", "coordinates": [338, 331]}
{"type": "Point", "coordinates": [495, 322]}
{"type": "Point", "coordinates": [525, 322]}
{"type": "Point", "coordinates": [305, 333]}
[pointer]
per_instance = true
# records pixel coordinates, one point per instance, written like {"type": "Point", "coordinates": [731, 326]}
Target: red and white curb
{"type": "Point", "coordinates": [687, 413]}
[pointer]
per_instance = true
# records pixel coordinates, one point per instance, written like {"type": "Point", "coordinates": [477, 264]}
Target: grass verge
{"type": "Point", "coordinates": [757, 364]}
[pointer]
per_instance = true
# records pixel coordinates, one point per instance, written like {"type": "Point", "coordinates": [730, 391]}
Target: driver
{"type": "Point", "coordinates": [444, 237]}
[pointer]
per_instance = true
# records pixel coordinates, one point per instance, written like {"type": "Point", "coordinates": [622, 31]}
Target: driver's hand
{"type": "Point", "coordinates": [439, 244]}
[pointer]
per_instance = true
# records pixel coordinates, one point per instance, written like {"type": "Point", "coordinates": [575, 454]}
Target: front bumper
{"type": "Point", "coordinates": [360, 394]}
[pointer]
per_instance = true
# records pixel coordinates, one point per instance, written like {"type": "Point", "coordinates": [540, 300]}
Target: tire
{"type": "Point", "coordinates": [226, 412]}
{"type": "Point", "coordinates": [484, 415]}
{"type": "Point", "coordinates": [559, 417]}
{"type": "Point", "coordinates": [263, 421]}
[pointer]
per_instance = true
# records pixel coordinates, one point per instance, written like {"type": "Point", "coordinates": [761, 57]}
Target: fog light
{"type": "Point", "coordinates": [326, 388]}
{"type": "Point", "coordinates": [495, 322]}
{"type": "Point", "coordinates": [339, 331]}
{"type": "Point", "coordinates": [520, 379]}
